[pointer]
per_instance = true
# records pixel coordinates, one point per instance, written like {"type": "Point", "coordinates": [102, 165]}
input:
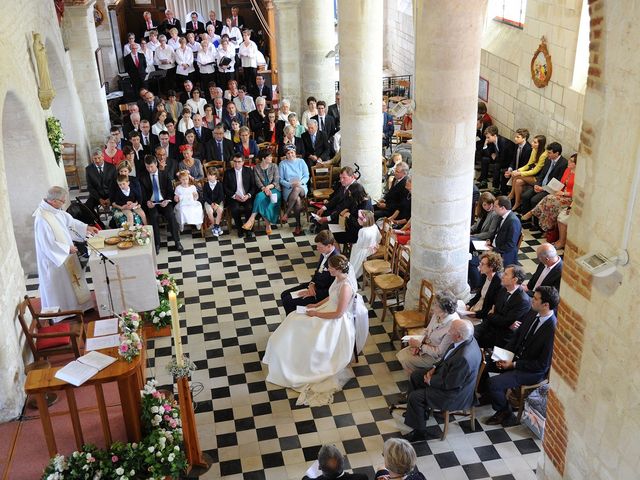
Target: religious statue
{"type": "Point", "coordinates": [46, 93]}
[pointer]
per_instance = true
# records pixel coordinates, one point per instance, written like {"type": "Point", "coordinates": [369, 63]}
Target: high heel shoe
{"type": "Point", "coordinates": [248, 225]}
{"type": "Point", "coordinates": [268, 230]}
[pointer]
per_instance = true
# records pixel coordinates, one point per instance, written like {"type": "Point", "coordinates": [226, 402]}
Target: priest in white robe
{"type": "Point", "coordinates": [61, 278]}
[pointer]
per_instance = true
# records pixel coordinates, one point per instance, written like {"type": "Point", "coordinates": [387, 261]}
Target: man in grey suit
{"type": "Point", "coordinates": [449, 385]}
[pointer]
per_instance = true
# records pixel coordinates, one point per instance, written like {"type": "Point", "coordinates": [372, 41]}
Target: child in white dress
{"type": "Point", "coordinates": [188, 209]}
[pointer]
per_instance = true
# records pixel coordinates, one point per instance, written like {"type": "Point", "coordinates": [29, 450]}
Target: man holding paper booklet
{"type": "Point", "coordinates": [526, 359]}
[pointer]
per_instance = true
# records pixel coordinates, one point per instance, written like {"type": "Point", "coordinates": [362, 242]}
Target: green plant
{"type": "Point", "coordinates": [55, 135]}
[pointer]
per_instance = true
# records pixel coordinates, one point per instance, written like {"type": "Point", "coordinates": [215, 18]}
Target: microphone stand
{"type": "Point", "coordinates": [103, 259]}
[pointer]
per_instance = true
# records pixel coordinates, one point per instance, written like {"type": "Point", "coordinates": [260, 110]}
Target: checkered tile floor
{"type": "Point", "coordinates": [252, 429]}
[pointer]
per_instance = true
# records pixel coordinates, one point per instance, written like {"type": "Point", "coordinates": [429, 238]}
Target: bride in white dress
{"type": "Point", "coordinates": [309, 352]}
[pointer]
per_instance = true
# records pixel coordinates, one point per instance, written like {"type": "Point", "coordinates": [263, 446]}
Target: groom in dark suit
{"type": "Point", "coordinates": [532, 348]}
{"type": "Point", "coordinates": [449, 385]}
{"type": "Point", "coordinates": [318, 288]}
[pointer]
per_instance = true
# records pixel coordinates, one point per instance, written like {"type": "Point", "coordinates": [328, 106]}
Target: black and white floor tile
{"type": "Point", "coordinates": [252, 429]}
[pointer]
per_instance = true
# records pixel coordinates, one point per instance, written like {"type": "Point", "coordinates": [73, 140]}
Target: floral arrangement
{"type": "Point", "coordinates": [166, 283]}
{"type": "Point", "coordinates": [157, 456]}
{"type": "Point", "coordinates": [141, 235]}
{"type": "Point", "coordinates": [161, 316]}
{"type": "Point", "coordinates": [185, 370]}
{"type": "Point", "coordinates": [55, 135]}
{"type": "Point", "coordinates": [130, 345]}
{"type": "Point", "coordinates": [129, 321]}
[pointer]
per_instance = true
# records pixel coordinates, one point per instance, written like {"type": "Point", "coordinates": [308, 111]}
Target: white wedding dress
{"type": "Point", "coordinates": [311, 354]}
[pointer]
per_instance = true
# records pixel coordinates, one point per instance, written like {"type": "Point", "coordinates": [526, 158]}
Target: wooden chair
{"type": "Point", "coordinates": [379, 266]}
{"type": "Point", "coordinates": [394, 282]}
{"type": "Point", "coordinates": [46, 340]}
{"type": "Point", "coordinates": [519, 396]}
{"type": "Point", "coordinates": [321, 182]}
{"type": "Point", "coordinates": [219, 164]}
{"type": "Point", "coordinates": [403, 320]}
{"type": "Point", "coordinates": [69, 160]}
{"type": "Point", "coordinates": [471, 411]}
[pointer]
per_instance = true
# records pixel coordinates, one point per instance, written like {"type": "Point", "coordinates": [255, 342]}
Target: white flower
{"type": "Point", "coordinates": [151, 449]}
{"type": "Point", "coordinates": [154, 409]}
{"type": "Point", "coordinates": [163, 314]}
{"type": "Point", "coordinates": [120, 471]}
{"type": "Point", "coordinates": [176, 448]}
{"type": "Point", "coordinates": [171, 457]}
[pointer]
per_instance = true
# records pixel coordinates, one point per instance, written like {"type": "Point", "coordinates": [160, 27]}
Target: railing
{"type": "Point", "coordinates": [398, 86]}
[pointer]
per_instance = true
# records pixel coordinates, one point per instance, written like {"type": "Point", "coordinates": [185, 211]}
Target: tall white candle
{"type": "Point", "coordinates": [175, 324]}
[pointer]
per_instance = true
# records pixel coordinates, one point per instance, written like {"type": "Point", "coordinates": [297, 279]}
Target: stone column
{"type": "Point", "coordinates": [360, 30]}
{"type": "Point", "coordinates": [317, 39]}
{"type": "Point", "coordinates": [83, 43]}
{"type": "Point", "coordinates": [288, 45]}
{"type": "Point", "coordinates": [445, 90]}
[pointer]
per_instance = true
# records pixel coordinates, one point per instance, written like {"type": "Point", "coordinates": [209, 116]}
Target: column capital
{"type": "Point", "coordinates": [78, 3]}
{"type": "Point", "coordinates": [286, 3]}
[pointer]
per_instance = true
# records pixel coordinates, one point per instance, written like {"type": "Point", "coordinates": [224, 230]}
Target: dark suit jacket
{"type": "Point", "coordinates": [396, 194]}
{"type": "Point", "coordinates": [213, 196]}
{"type": "Point", "coordinates": [99, 186]}
{"type": "Point", "coordinates": [217, 26]}
{"type": "Point", "coordinates": [506, 239]}
{"type": "Point", "coordinates": [200, 28]}
{"type": "Point", "coordinates": [345, 199]}
{"type": "Point", "coordinates": [551, 280]}
{"type": "Point", "coordinates": [255, 121]}
{"type": "Point", "coordinates": [299, 147]}
{"type": "Point", "coordinates": [323, 279]}
{"type": "Point", "coordinates": [137, 74]}
{"type": "Point", "coordinates": [205, 135]}
{"type": "Point", "coordinates": [211, 150]}
{"type": "Point", "coordinates": [321, 148]}
{"type": "Point", "coordinates": [533, 351]}
{"type": "Point", "coordinates": [267, 92]}
{"type": "Point", "coordinates": [558, 170]}
{"type": "Point", "coordinates": [504, 151]}
{"type": "Point", "coordinates": [453, 383]}
{"type": "Point", "coordinates": [507, 311]}
{"type": "Point", "coordinates": [490, 297]}
{"type": "Point", "coordinates": [524, 156]}
{"type": "Point", "coordinates": [164, 183]}
{"type": "Point", "coordinates": [227, 119]}
{"type": "Point", "coordinates": [152, 141]}
{"type": "Point", "coordinates": [253, 148]}
{"type": "Point", "coordinates": [172, 151]}
{"type": "Point", "coordinates": [165, 26]}
{"type": "Point", "coordinates": [145, 112]}
{"type": "Point", "coordinates": [329, 125]}
{"type": "Point", "coordinates": [230, 185]}
{"type": "Point", "coordinates": [335, 113]}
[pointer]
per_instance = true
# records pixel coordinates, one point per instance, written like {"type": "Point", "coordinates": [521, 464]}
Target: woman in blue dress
{"type": "Point", "coordinates": [267, 201]}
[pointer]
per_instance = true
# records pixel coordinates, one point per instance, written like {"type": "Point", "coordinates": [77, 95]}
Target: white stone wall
{"type": "Point", "coordinates": [27, 169]}
{"type": "Point", "coordinates": [602, 412]}
{"type": "Point", "coordinates": [399, 40]}
{"type": "Point", "coordinates": [514, 100]}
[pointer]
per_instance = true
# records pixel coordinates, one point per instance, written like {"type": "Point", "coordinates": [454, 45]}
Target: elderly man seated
{"type": "Point", "coordinates": [392, 201]}
{"type": "Point", "coordinates": [449, 385]}
{"type": "Point", "coordinates": [549, 271]}
{"type": "Point", "coordinates": [331, 463]}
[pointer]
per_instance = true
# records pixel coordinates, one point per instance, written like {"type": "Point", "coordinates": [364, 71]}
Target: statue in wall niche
{"type": "Point", "coordinates": [46, 93]}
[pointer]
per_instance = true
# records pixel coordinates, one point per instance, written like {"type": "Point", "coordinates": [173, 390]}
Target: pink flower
{"type": "Point", "coordinates": [158, 272]}
{"type": "Point", "coordinates": [164, 283]}
{"type": "Point", "coordinates": [114, 459]}
{"type": "Point", "coordinates": [124, 347]}
{"type": "Point", "coordinates": [167, 408]}
{"type": "Point", "coordinates": [156, 394]}
{"type": "Point", "coordinates": [167, 418]}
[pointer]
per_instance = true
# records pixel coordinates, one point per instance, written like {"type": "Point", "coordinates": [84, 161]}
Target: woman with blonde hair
{"type": "Point", "coordinates": [399, 461]}
{"type": "Point", "coordinates": [526, 175]}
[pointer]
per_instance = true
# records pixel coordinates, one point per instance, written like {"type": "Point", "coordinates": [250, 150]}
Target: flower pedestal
{"type": "Point", "coordinates": [152, 332]}
{"type": "Point", "coordinates": [198, 462]}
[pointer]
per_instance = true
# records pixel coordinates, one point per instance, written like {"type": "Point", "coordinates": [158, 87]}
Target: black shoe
{"type": "Point", "coordinates": [484, 400]}
{"type": "Point", "coordinates": [240, 233]}
{"type": "Point", "coordinates": [510, 421]}
{"type": "Point", "coordinates": [179, 247]}
{"type": "Point", "coordinates": [157, 249]}
{"type": "Point", "coordinates": [497, 418]}
{"type": "Point", "coordinates": [416, 436]}
{"type": "Point", "coordinates": [403, 397]}
{"type": "Point", "coordinates": [249, 234]}
{"type": "Point", "coordinates": [482, 184]}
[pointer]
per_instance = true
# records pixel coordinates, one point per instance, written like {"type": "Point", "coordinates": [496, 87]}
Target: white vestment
{"type": "Point", "coordinates": [61, 279]}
